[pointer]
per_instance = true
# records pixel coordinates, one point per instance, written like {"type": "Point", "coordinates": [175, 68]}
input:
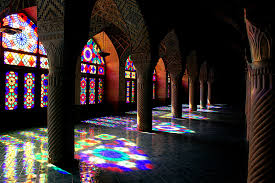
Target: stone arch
{"type": "Point", "coordinates": [170, 49]}
{"type": "Point", "coordinates": [126, 15]}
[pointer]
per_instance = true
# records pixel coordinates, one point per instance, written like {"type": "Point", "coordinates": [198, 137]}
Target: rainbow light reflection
{"type": "Point", "coordinates": [168, 127]}
{"type": "Point", "coordinates": [186, 116]}
{"type": "Point", "coordinates": [119, 155]}
{"type": "Point", "coordinates": [130, 124]}
{"type": "Point", "coordinates": [103, 150]}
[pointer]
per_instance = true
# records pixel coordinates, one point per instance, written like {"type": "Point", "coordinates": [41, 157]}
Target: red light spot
{"type": "Point", "coordinates": [149, 166]}
{"type": "Point", "coordinates": [115, 169]}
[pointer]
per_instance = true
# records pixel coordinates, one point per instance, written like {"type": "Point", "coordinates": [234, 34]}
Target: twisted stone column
{"type": "Point", "coordinates": [248, 102]}
{"type": "Point", "coordinates": [144, 91]}
{"type": "Point", "coordinates": [202, 95]}
{"type": "Point", "coordinates": [176, 79]}
{"type": "Point", "coordinates": [209, 93]}
{"type": "Point", "coordinates": [192, 95]}
{"type": "Point", "coordinates": [203, 76]}
{"type": "Point", "coordinates": [59, 111]}
{"type": "Point", "coordinates": [260, 137]}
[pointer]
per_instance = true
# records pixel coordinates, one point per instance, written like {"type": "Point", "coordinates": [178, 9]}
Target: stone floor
{"type": "Point", "coordinates": [204, 146]}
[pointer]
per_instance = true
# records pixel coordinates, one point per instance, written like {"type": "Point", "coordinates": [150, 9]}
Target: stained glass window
{"type": "Point", "coordinates": [130, 76]}
{"type": "Point", "coordinates": [168, 86]}
{"type": "Point", "coordinates": [93, 69]}
{"type": "Point", "coordinates": [83, 85]}
{"type": "Point", "coordinates": [44, 90]}
{"type": "Point", "coordinates": [92, 91]}
{"type": "Point", "coordinates": [44, 63]}
{"type": "Point", "coordinates": [42, 50]}
{"type": "Point", "coordinates": [100, 90]}
{"type": "Point", "coordinates": [19, 59]}
{"type": "Point", "coordinates": [133, 92]}
{"type": "Point", "coordinates": [128, 91]}
{"type": "Point", "coordinates": [154, 83]}
{"type": "Point", "coordinates": [24, 41]}
{"type": "Point", "coordinates": [25, 54]}
{"type": "Point", "coordinates": [11, 93]}
{"type": "Point", "coordinates": [29, 90]}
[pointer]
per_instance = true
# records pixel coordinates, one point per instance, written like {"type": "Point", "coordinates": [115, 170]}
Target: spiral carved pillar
{"type": "Point", "coordinates": [260, 141]}
{"type": "Point", "coordinates": [192, 95]}
{"type": "Point", "coordinates": [202, 95]}
{"type": "Point", "coordinates": [261, 101]}
{"type": "Point", "coordinates": [209, 93]}
{"type": "Point", "coordinates": [144, 91]}
{"type": "Point", "coordinates": [59, 111]}
{"type": "Point", "coordinates": [176, 95]}
{"type": "Point", "coordinates": [248, 102]}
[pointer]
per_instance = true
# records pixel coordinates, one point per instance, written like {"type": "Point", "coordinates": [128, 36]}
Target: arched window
{"type": "Point", "coordinates": [168, 86]}
{"type": "Point", "coordinates": [92, 74]}
{"type": "Point", "coordinates": [130, 76]}
{"type": "Point", "coordinates": [23, 66]}
{"type": "Point", "coordinates": [154, 83]}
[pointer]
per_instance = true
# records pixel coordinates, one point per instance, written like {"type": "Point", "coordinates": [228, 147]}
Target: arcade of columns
{"type": "Point", "coordinates": [259, 101]}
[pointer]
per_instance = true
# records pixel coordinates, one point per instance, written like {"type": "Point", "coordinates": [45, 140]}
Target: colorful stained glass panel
{"type": "Point", "coordinates": [92, 91]}
{"type": "Point", "coordinates": [127, 74]}
{"type": "Point", "coordinates": [19, 59]}
{"type": "Point", "coordinates": [128, 91]}
{"type": "Point", "coordinates": [24, 41]}
{"type": "Point", "coordinates": [101, 70]}
{"type": "Point", "coordinates": [91, 54]}
{"type": "Point", "coordinates": [169, 92]}
{"type": "Point", "coordinates": [133, 75]}
{"type": "Point", "coordinates": [129, 65]}
{"type": "Point", "coordinates": [154, 78]}
{"type": "Point", "coordinates": [42, 50]}
{"type": "Point", "coordinates": [100, 90]}
{"type": "Point", "coordinates": [44, 63]}
{"type": "Point", "coordinates": [44, 90]}
{"type": "Point", "coordinates": [29, 90]}
{"type": "Point", "coordinates": [11, 88]}
{"type": "Point", "coordinates": [133, 92]}
{"type": "Point", "coordinates": [154, 90]}
{"type": "Point", "coordinates": [90, 69]}
{"type": "Point", "coordinates": [83, 84]}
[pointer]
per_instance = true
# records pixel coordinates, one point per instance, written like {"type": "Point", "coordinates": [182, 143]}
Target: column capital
{"type": "Point", "coordinates": [142, 62]}
{"type": "Point", "coordinates": [51, 29]}
{"type": "Point", "coordinates": [55, 52]}
{"type": "Point", "coordinates": [260, 41]}
{"type": "Point", "coordinates": [141, 57]}
{"type": "Point", "coordinates": [203, 72]}
{"type": "Point", "coordinates": [176, 75]}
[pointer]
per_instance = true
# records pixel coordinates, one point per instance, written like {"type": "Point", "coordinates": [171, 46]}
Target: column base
{"type": "Point", "coordinates": [69, 166]}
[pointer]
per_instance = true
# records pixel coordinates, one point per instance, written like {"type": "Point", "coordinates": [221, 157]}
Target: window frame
{"type": "Point", "coordinates": [21, 70]}
{"type": "Point", "coordinates": [96, 76]}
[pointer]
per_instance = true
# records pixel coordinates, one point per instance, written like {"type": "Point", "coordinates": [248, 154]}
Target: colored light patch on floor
{"type": "Point", "coordinates": [168, 127]}
{"type": "Point", "coordinates": [9, 140]}
{"type": "Point", "coordinates": [105, 137]}
{"type": "Point", "coordinates": [154, 113]}
{"type": "Point", "coordinates": [100, 123]}
{"type": "Point", "coordinates": [26, 161]}
{"type": "Point", "coordinates": [85, 143]}
{"type": "Point", "coordinates": [120, 155]}
{"type": "Point", "coordinates": [214, 107]}
{"type": "Point", "coordinates": [34, 136]}
{"type": "Point", "coordinates": [163, 108]}
{"type": "Point", "coordinates": [108, 151]}
{"type": "Point", "coordinates": [171, 128]}
{"type": "Point", "coordinates": [131, 112]}
{"type": "Point", "coordinates": [206, 110]}
{"type": "Point", "coordinates": [186, 116]}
